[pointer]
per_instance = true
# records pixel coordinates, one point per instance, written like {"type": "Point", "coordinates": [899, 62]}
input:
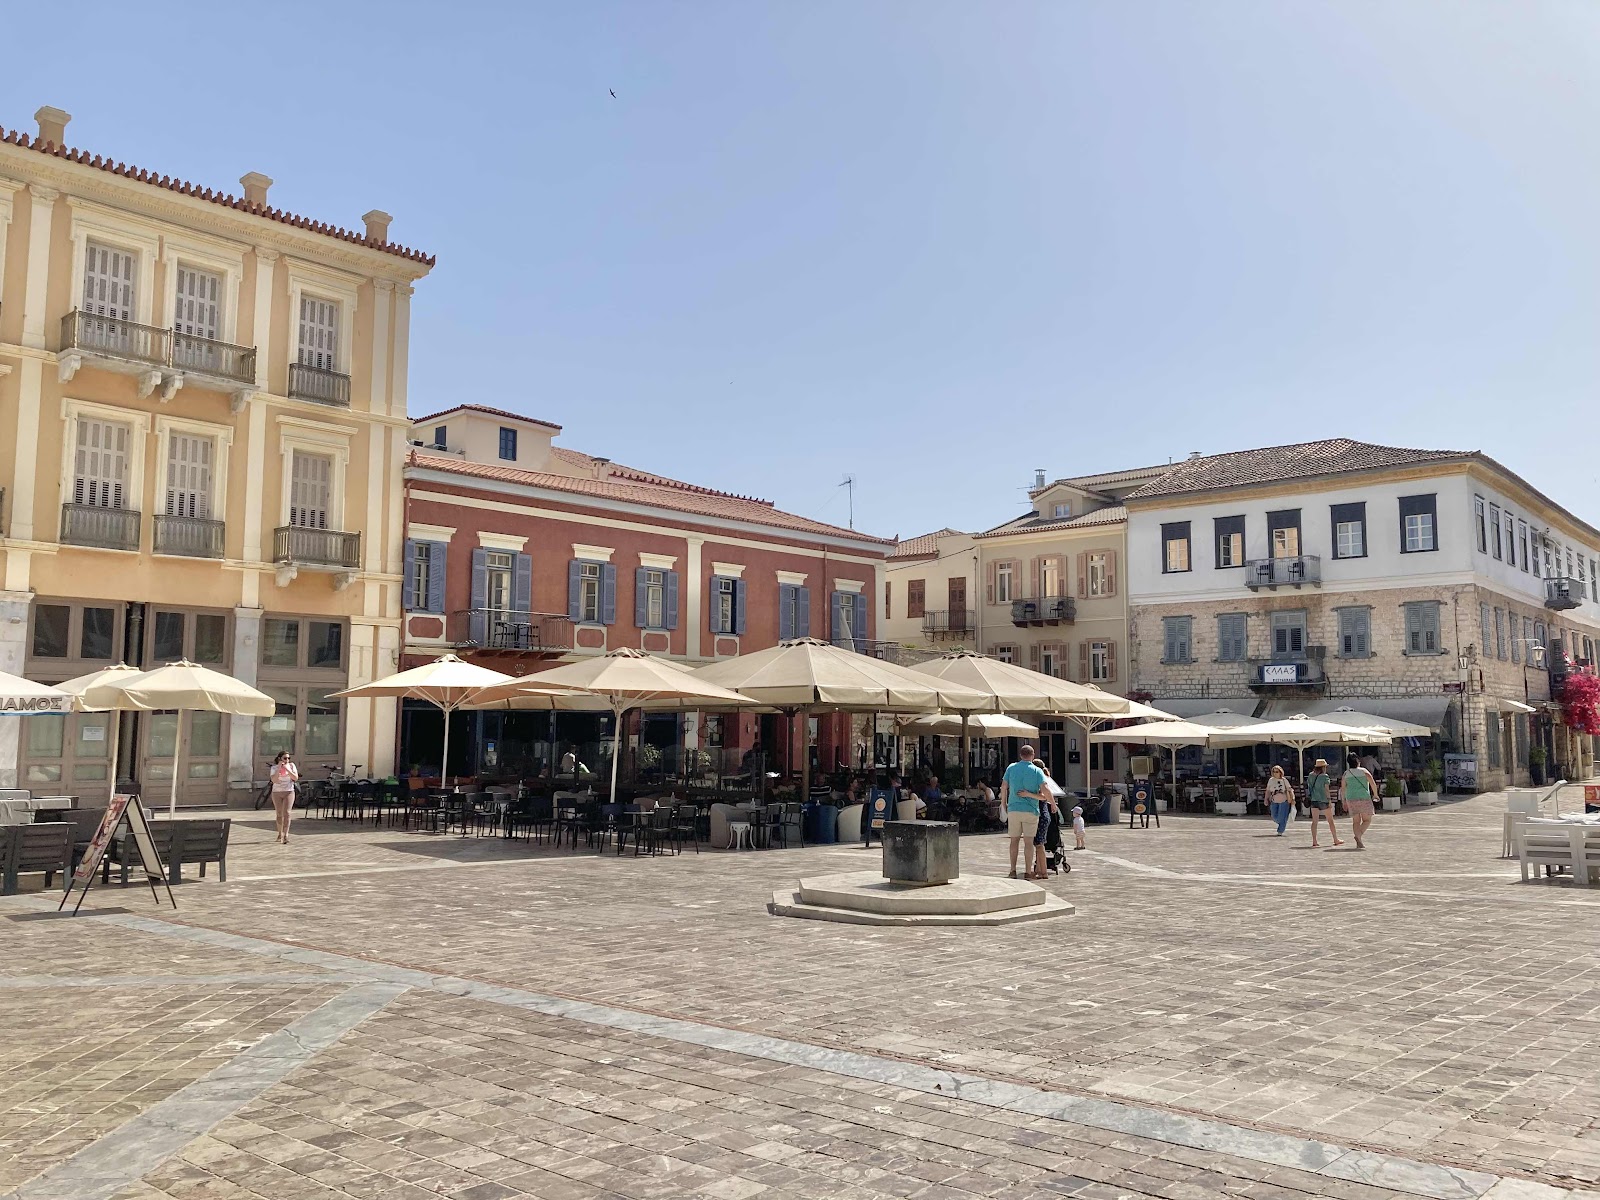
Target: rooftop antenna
{"type": "Point", "coordinates": [850, 484]}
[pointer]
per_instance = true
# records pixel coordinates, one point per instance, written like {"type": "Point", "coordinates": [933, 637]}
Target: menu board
{"type": "Point", "coordinates": [1461, 772]}
{"type": "Point", "coordinates": [122, 809]}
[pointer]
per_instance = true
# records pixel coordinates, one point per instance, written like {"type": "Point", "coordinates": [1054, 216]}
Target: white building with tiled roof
{"type": "Point", "coordinates": [1432, 586]}
{"type": "Point", "coordinates": [930, 590]}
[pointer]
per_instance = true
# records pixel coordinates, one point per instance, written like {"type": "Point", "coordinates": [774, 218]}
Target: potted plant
{"type": "Point", "coordinates": [1228, 802]}
{"type": "Point", "coordinates": [1432, 775]}
{"type": "Point", "coordinates": [1537, 758]}
{"type": "Point", "coordinates": [1393, 789]}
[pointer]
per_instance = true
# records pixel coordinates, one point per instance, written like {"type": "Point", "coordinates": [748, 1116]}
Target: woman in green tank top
{"type": "Point", "coordinates": [1317, 799]}
{"type": "Point", "coordinates": [1360, 788]}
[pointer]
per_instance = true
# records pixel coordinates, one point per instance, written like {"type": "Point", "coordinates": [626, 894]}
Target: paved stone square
{"type": "Point", "coordinates": [368, 1012]}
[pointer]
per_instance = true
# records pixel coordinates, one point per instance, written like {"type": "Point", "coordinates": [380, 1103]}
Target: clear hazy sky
{"type": "Point", "coordinates": [932, 245]}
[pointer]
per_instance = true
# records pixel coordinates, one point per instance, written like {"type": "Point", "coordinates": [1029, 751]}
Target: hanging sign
{"type": "Point", "coordinates": [1280, 672]}
{"type": "Point", "coordinates": [123, 810]}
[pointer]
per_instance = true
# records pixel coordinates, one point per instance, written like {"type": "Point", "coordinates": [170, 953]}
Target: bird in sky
{"type": "Point", "coordinates": [613, 92]}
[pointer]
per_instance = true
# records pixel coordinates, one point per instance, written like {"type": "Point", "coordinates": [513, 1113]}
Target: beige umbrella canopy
{"type": "Point", "coordinates": [1365, 720]}
{"type": "Point", "coordinates": [177, 687]}
{"type": "Point", "coordinates": [1301, 732]}
{"type": "Point", "coordinates": [804, 675]}
{"type": "Point", "coordinates": [93, 681]}
{"type": "Point", "coordinates": [19, 696]}
{"type": "Point", "coordinates": [986, 725]}
{"type": "Point", "coordinates": [621, 679]}
{"type": "Point", "coordinates": [447, 682]}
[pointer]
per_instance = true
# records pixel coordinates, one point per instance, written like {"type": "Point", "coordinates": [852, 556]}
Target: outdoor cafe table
{"type": "Point", "coordinates": [21, 812]}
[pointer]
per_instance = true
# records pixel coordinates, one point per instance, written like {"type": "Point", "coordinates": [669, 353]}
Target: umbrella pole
{"type": "Point", "coordinates": [805, 755]}
{"type": "Point", "coordinates": [444, 763]}
{"type": "Point", "coordinates": [966, 752]}
{"type": "Point", "coordinates": [177, 758]}
{"type": "Point", "coordinates": [616, 750]}
{"type": "Point", "coordinates": [116, 736]}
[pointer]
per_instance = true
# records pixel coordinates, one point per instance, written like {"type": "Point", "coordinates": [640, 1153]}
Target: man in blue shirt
{"type": "Point", "coordinates": [1021, 791]}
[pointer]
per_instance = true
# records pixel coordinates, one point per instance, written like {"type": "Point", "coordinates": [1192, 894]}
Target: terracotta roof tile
{"type": "Point", "coordinates": [1112, 514]}
{"type": "Point", "coordinates": [480, 408]}
{"type": "Point", "coordinates": [641, 488]}
{"type": "Point", "coordinates": [927, 543]}
{"type": "Point", "coordinates": [1104, 479]}
{"type": "Point", "coordinates": [1333, 456]}
{"type": "Point", "coordinates": [17, 138]}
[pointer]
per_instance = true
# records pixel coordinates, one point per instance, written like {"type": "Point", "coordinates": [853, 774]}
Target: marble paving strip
{"type": "Point", "coordinates": [1432, 1180]}
{"type": "Point", "coordinates": [56, 982]}
{"type": "Point", "coordinates": [132, 1150]}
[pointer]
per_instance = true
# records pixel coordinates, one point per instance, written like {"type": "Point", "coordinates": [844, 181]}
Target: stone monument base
{"type": "Point", "coordinates": [866, 898]}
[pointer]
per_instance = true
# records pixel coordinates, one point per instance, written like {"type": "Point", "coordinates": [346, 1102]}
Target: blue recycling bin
{"type": "Point", "coordinates": [821, 824]}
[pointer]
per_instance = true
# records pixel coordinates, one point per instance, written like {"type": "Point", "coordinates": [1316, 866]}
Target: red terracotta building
{"type": "Point", "coordinates": [520, 553]}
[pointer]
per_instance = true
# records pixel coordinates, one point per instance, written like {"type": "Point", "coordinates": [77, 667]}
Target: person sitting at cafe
{"type": "Point", "coordinates": [931, 796]}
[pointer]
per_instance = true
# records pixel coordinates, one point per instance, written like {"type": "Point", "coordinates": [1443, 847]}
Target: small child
{"type": "Point", "coordinates": [1078, 830]}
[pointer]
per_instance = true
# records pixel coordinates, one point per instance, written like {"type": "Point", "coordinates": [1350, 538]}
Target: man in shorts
{"type": "Point", "coordinates": [1022, 788]}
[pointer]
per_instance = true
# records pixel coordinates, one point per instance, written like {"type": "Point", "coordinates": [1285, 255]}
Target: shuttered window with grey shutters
{"type": "Point", "coordinates": [108, 275]}
{"type": "Point", "coordinates": [189, 475]}
{"type": "Point", "coordinates": [1355, 632]}
{"type": "Point", "coordinates": [100, 463]}
{"type": "Point", "coordinates": [1231, 637]}
{"type": "Point", "coordinates": [319, 333]}
{"type": "Point", "coordinates": [198, 311]}
{"type": "Point", "coordinates": [1422, 627]}
{"type": "Point", "coordinates": [310, 490]}
{"type": "Point", "coordinates": [1176, 638]}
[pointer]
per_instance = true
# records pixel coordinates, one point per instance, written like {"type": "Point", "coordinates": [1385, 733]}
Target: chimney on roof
{"type": "Point", "coordinates": [1194, 454]}
{"type": "Point", "coordinates": [1038, 478]}
{"type": "Point", "coordinates": [255, 187]}
{"type": "Point", "coordinates": [377, 225]}
{"type": "Point", "coordinates": [602, 466]}
{"type": "Point", "coordinates": [52, 125]}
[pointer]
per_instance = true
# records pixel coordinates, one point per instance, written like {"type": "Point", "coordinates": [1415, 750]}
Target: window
{"type": "Point", "coordinates": [282, 638]}
{"type": "Point", "coordinates": [1098, 568]}
{"type": "Point", "coordinates": [1102, 756]}
{"type": "Point", "coordinates": [1289, 633]}
{"type": "Point", "coordinates": [310, 490]}
{"type": "Point", "coordinates": [1594, 580]}
{"type": "Point", "coordinates": [1175, 547]}
{"type": "Point", "coordinates": [1511, 536]}
{"type": "Point", "coordinates": [1006, 654]}
{"type": "Point", "coordinates": [1050, 577]}
{"type": "Point", "coordinates": [1418, 524]}
{"type": "Point", "coordinates": [441, 436]}
{"type": "Point", "coordinates": [916, 597]}
{"type": "Point", "coordinates": [655, 599]}
{"type": "Point", "coordinates": [1539, 633]}
{"type": "Point", "coordinates": [100, 463]}
{"type": "Point", "coordinates": [727, 604]}
{"type": "Point", "coordinates": [499, 573]}
{"type": "Point", "coordinates": [1062, 510]}
{"type": "Point", "coordinates": [1485, 630]}
{"type": "Point", "coordinates": [1522, 544]}
{"type": "Point", "coordinates": [1494, 530]}
{"type": "Point", "coordinates": [888, 596]}
{"type": "Point", "coordinates": [166, 644]}
{"type": "Point", "coordinates": [794, 611]}
{"type": "Point", "coordinates": [280, 642]}
{"type": "Point", "coordinates": [1491, 736]}
{"type": "Point", "coordinates": [588, 592]}
{"type": "Point", "coordinates": [1349, 530]}
{"type": "Point", "coordinates": [318, 344]}
{"type": "Point", "coordinates": [1003, 583]}
{"type": "Point", "coordinates": [51, 623]}
{"type": "Point", "coordinates": [1283, 533]}
{"type": "Point", "coordinates": [108, 275]}
{"type": "Point", "coordinates": [1479, 526]}
{"type": "Point", "coordinates": [189, 458]}
{"type": "Point", "coordinates": [325, 645]}
{"type": "Point", "coordinates": [198, 315]}
{"type": "Point", "coordinates": [1422, 627]}
{"type": "Point", "coordinates": [1516, 647]}
{"type": "Point", "coordinates": [305, 722]}
{"type": "Point", "coordinates": [322, 722]}
{"type": "Point", "coordinates": [1355, 632]}
{"type": "Point", "coordinates": [210, 638]}
{"type": "Point", "coordinates": [419, 574]}
{"type": "Point", "coordinates": [508, 444]}
{"type": "Point", "coordinates": [1230, 541]}
{"type": "Point", "coordinates": [97, 636]}
{"type": "Point", "coordinates": [1569, 562]}
{"type": "Point", "coordinates": [1050, 660]}
{"type": "Point", "coordinates": [1231, 637]}
{"type": "Point", "coordinates": [1176, 639]}
{"type": "Point", "coordinates": [1549, 561]}
{"type": "Point", "coordinates": [1100, 662]}
{"type": "Point", "coordinates": [849, 621]}
{"type": "Point", "coordinates": [1500, 633]}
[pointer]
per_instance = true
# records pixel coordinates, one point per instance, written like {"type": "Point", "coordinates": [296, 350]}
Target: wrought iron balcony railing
{"type": "Point", "coordinates": [509, 629]}
{"type": "Point", "coordinates": [105, 528]}
{"type": "Point", "coordinates": [313, 383]}
{"type": "Point", "coordinates": [316, 547]}
{"type": "Point", "coordinates": [1290, 670]}
{"type": "Point", "coordinates": [192, 537]}
{"type": "Point", "coordinates": [113, 337]}
{"type": "Point", "coordinates": [193, 353]}
{"type": "Point", "coordinates": [1047, 610]}
{"type": "Point", "coordinates": [1563, 594]}
{"type": "Point", "coordinates": [1292, 571]}
{"type": "Point", "coordinates": [953, 622]}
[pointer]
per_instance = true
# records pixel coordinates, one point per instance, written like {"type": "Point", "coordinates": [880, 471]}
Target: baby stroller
{"type": "Point", "coordinates": [1055, 860]}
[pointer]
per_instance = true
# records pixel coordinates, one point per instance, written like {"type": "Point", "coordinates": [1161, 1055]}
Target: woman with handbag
{"type": "Point", "coordinates": [284, 775]}
{"type": "Point", "coordinates": [1280, 799]}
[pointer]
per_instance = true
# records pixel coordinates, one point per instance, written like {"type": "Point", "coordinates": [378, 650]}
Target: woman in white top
{"type": "Point", "coordinates": [284, 775]}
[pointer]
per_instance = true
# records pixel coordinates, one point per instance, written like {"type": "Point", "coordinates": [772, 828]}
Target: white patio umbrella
{"type": "Point", "coordinates": [804, 675]}
{"type": "Point", "coordinates": [1170, 734]}
{"type": "Point", "coordinates": [447, 682]}
{"type": "Point", "coordinates": [1393, 726]}
{"type": "Point", "coordinates": [1301, 732]}
{"type": "Point", "coordinates": [986, 725]}
{"type": "Point", "coordinates": [183, 687]}
{"type": "Point", "coordinates": [23, 697]}
{"type": "Point", "coordinates": [622, 679]}
{"type": "Point", "coordinates": [92, 682]}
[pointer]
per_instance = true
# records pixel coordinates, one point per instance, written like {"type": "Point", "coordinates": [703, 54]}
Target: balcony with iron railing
{"type": "Point", "coordinates": [1047, 610]}
{"type": "Point", "coordinates": [322, 386]}
{"type": "Point", "coordinates": [1561, 594]}
{"type": "Point", "coordinates": [1290, 670]}
{"type": "Point", "coordinates": [190, 537]}
{"type": "Point", "coordinates": [146, 346]}
{"type": "Point", "coordinates": [293, 544]}
{"type": "Point", "coordinates": [951, 622]}
{"type": "Point", "coordinates": [513, 630]}
{"type": "Point", "coordinates": [886, 651]}
{"type": "Point", "coordinates": [1291, 571]}
{"type": "Point", "coordinates": [103, 528]}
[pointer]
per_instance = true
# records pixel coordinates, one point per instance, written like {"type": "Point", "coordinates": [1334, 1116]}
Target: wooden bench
{"type": "Point", "coordinates": [34, 848]}
{"type": "Point", "coordinates": [180, 844]}
{"type": "Point", "coordinates": [1558, 846]}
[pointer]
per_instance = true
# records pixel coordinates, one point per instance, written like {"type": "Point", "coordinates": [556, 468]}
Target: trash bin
{"type": "Point", "coordinates": [821, 824]}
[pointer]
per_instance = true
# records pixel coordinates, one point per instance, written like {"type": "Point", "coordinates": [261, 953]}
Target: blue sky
{"type": "Point", "coordinates": [931, 245]}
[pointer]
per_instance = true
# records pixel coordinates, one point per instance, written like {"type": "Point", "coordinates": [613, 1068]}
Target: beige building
{"type": "Point", "coordinates": [1054, 599]}
{"type": "Point", "coordinates": [206, 403]}
{"type": "Point", "coordinates": [930, 592]}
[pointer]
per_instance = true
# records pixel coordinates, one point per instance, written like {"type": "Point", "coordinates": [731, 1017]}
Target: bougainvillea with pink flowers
{"type": "Point", "coordinates": [1580, 703]}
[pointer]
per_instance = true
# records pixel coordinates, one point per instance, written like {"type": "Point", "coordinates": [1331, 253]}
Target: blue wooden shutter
{"type": "Point", "coordinates": [836, 623]}
{"type": "Point", "coordinates": [802, 612]}
{"type": "Point", "coordinates": [522, 584]}
{"type": "Point", "coordinates": [672, 599]}
{"type": "Point", "coordinates": [641, 597]}
{"type": "Point", "coordinates": [738, 606]}
{"type": "Point", "coordinates": [408, 590]}
{"type": "Point", "coordinates": [608, 594]}
{"type": "Point", "coordinates": [714, 615]}
{"type": "Point", "coordinates": [861, 619]}
{"type": "Point", "coordinates": [786, 594]}
{"type": "Point", "coordinates": [436, 576]}
{"type": "Point", "coordinates": [574, 591]}
{"type": "Point", "coordinates": [479, 620]}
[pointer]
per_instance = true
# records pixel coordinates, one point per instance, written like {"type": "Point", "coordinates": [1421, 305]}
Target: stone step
{"type": "Point", "coordinates": [866, 891]}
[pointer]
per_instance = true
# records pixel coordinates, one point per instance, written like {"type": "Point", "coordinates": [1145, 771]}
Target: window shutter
{"type": "Point", "coordinates": [888, 604]}
{"type": "Point", "coordinates": [319, 334]}
{"type": "Point", "coordinates": [1081, 565]}
{"type": "Point", "coordinates": [478, 621]}
{"type": "Point", "coordinates": [990, 571]}
{"type": "Point", "coordinates": [836, 623]}
{"type": "Point", "coordinates": [108, 282]}
{"type": "Point", "coordinates": [863, 617]}
{"type": "Point", "coordinates": [574, 588]}
{"type": "Point", "coordinates": [1083, 660]}
{"type": "Point", "coordinates": [712, 616]}
{"type": "Point", "coordinates": [1111, 676]}
{"type": "Point", "coordinates": [408, 584]}
{"type": "Point", "coordinates": [1413, 629]}
{"type": "Point", "coordinates": [310, 482]}
{"type": "Point", "coordinates": [1033, 577]}
{"type": "Point", "coordinates": [100, 464]}
{"type": "Point", "coordinates": [786, 592]}
{"type": "Point", "coordinates": [522, 583]}
{"type": "Point", "coordinates": [672, 600]}
{"type": "Point", "coordinates": [436, 577]}
{"type": "Point", "coordinates": [1035, 656]}
{"type": "Point", "coordinates": [1430, 626]}
{"type": "Point", "coordinates": [188, 491]}
{"type": "Point", "coordinates": [641, 599]}
{"type": "Point", "coordinates": [1111, 572]}
{"type": "Point", "coordinates": [802, 612]}
{"type": "Point", "coordinates": [197, 313]}
{"type": "Point", "coordinates": [608, 594]}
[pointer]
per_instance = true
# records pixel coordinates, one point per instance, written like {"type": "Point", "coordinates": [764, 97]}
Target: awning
{"type": "Point", "coordinates": [1507, 705]}
{"type": "Point", "coordinates": [1190, 710]}
{"type": "Point", "coordinates": [1419, 710]}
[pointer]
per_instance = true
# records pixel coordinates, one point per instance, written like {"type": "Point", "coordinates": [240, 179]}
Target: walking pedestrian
{"type": "Point", "coordinates": [1359, 789]}
{"type": "Point", "coordinates": [1280, 799]}
{"type": "Point", "coordinates": [1321, 806]}
{"type": "Point", "coordinates": [284, 775]}
{"type": "Point", "coordinates": [1078, 831]}
{"type": "Point", "coordinates": [1022, 788]}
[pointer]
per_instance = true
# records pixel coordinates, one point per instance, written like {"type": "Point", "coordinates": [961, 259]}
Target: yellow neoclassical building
{"type": "Point", "coordinates": [202, 426]}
